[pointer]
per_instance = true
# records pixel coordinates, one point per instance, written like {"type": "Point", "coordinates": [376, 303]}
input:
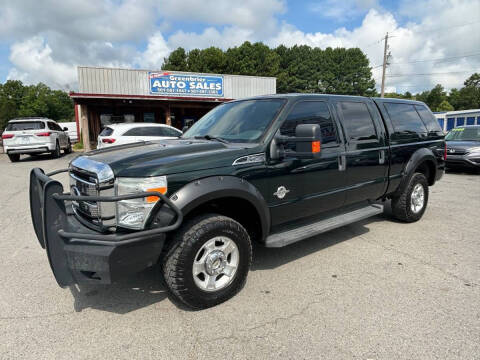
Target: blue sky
{"type": "Point", "coordinates": [45, 41]}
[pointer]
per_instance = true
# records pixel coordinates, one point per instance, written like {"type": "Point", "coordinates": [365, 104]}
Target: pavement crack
{"type": "Point", "coordinates": [421, 261]}
{"type": "Point", "coordinates": [237, 335]}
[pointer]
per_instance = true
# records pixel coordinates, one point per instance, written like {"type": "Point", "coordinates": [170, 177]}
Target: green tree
{"type": "Point", "coordinates": [444, 106]}
{"type": "Point", "coordinates": [177, 60]}
{"type": "Point", "coordinates": [436, 96]}
{"type": "Point", "coordinates": [17, 100]}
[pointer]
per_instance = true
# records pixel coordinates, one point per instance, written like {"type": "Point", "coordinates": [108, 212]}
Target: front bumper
{"type": "Point", "coordinates": [79, 255]}
{"type": "Point", "coordinates": [463, 161]}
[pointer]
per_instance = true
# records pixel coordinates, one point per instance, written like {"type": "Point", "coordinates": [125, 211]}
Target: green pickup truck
{"type": "Point", "coordinates": [272, 169]}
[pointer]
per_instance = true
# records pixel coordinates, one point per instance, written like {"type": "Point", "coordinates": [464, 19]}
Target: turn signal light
{"type": "Point", "coordinates": [47, 133]}
{"type": "Point", "coordinates": [315, 147]}
{"type": "Point", "coordinates": [152, 199]}
{"type": "Point", "coordinates": [7, 136]}
{"type": "Point", "coordinates": [108, 141]}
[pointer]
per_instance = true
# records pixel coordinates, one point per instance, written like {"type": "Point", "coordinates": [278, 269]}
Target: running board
{"type": "Point", "coordinates": [290, 236]}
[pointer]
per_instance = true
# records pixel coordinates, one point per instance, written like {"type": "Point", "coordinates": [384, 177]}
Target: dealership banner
{"type": "Point", "coordinates": [185, 84]}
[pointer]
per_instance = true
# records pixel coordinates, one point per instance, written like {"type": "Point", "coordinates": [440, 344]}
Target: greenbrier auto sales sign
{"type": "Point", "coordinates": [185, 84]}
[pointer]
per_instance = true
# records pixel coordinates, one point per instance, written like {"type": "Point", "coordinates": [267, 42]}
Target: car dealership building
{"type": "Point", "coordinates": [108, 95]}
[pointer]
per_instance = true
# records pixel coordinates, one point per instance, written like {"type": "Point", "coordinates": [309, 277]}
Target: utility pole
{"type": "Point", "coordinates": [384, 65]}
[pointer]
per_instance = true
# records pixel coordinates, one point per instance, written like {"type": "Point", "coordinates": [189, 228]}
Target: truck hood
{"type": "Point", "coordinates": [153, 158]}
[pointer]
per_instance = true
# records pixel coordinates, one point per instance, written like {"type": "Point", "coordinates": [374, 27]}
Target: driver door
{"type": "Point", "coordinates": [300, 188]}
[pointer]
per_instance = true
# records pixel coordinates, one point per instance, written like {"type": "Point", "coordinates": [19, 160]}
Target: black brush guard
{"type": "Point", "coordinates": [72, 247]}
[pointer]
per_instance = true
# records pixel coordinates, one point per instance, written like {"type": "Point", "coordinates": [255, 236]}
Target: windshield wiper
{"type": "Point", "coordinates": [210, 137]}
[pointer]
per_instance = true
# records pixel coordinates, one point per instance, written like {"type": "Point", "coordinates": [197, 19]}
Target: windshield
{"type": "Point", "coordinates": [464, 134]}
{"type": "Point", "coordinates": [239, 121]}
{"type": "Point", "coordinates": [25, 125]}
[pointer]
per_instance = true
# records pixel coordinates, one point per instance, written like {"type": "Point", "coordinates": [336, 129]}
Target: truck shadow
{"type": "Point", "coordinates": [147, 288]}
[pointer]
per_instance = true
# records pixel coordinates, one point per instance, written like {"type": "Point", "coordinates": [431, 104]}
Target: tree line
{"type": "Point", "coordinates": [19, 100]}
{"type": "Point", "coordinates": [300, 68]}
{"type": "Point", "coordinates": [437, 99]}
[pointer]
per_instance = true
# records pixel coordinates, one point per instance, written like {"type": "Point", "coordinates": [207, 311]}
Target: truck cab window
{"type": "Point", "coordinates": [405, 118]}
{"type": "Point", "coordinates": [357, 121]}
{"type": "Point", "coordinates": [428, 118]}
{"type": "Point", "coordinates": [311, 112]}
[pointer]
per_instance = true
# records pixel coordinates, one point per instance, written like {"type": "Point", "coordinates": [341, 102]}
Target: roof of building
{"type": "Point", "coordinates": [457, 112]}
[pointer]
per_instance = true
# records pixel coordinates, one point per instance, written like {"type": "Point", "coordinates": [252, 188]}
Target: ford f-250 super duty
{"type": "Point", "coordinates": [272, 169]}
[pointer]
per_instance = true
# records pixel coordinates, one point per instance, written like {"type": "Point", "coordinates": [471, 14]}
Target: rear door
{"type": "Point", "coordinates": [366, 156]}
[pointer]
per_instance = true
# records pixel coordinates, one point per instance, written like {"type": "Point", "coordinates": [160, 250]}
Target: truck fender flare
{"type": "Point", "coordinates": [418, 157]}
{"type": "Point", "coordinates": [201, 191]}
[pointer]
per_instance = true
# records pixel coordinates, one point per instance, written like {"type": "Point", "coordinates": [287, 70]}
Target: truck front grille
{"type": "Point", "coordinates": [99, 215]}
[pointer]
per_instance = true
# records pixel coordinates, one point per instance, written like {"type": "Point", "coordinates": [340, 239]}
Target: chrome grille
{"type": "Point", "coordinates": [85, 182]}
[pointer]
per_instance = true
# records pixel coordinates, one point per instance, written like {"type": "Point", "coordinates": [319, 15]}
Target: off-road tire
{"type": "Point", "coordinates": [14, 157]}
{"type": "Point", "coordinates": [180, 253]}
{"type": "Point", "coordinates": [56, 153]}
{"type": "Point", "coordinates": [68, 149]}
{"type": "Point", "coordinates": [401, 204]}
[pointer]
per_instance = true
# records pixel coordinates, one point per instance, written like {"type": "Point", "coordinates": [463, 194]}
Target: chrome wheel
{"type": "Point", "coordinates": [417, 199]}
{"type": "Point", "coordinates": [215, 264]}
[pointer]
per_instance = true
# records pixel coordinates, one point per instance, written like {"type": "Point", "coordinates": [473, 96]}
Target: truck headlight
{"type": "Point", "coordinates": [134, 213]}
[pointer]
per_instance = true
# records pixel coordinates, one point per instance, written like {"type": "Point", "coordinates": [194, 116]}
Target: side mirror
{"type": "Point", "coordinates": [185, 128]}
{"type": "Point", "coordinates": [65, 129]}
{"type": "Point", "coordinates": [308, 140]}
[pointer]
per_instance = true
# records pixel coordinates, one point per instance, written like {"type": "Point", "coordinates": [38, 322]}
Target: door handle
{"type": "Point", "coordinates": [342, 163]}
{"type": "Point", "coordinates": [381, 157]}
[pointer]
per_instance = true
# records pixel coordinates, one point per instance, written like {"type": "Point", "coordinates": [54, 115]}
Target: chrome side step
{"type": "Point", "coordinates": [290, 236]}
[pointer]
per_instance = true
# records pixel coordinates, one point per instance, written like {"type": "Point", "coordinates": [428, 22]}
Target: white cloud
{"type": "Point", "coordinates": [341, 11]}
{"type": "Point", "coordinates": [257, 15]}
{"type": "Point", "coordinates": [228, 37]}
{"type": "Point", "coordinates": [157, 50]}
{"type": "Point", "coordinates": [34, 63]}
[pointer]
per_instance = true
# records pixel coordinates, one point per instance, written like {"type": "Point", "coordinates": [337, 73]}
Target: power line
{"type": "Point", "coordinates": [439, 73]}
{"type": "Point", "coordinates": [439, 59]}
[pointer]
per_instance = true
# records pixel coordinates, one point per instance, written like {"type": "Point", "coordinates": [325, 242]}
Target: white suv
{"type": "Point", "coordinates": [34, 136]}
{"type": "Point", "coordinates": [126, 133]}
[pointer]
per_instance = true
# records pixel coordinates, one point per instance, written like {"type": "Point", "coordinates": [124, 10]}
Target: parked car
{"type": "Point", "coordinates": [463, 147]}
{"type": "Point", "coordinates": [274, 170]}
{"type": "Point", "coordinates": [34, 136]}
{"type": "Point", "coordinates": [126, 133]}
{"type": "Point", "coordinates": [71, 131]}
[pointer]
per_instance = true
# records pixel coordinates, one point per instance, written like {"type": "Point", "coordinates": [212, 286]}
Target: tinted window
{"type": "Point", "coordinates": [357, 121]}
{"type": "Point", "coordinates": [154, 131]}
{"type": "Point", "coordinates": [106, 131]}
{"type": "Point", "coordinates": [405, 118]}
{"type": "Point", "coordinates": [311, 112]}
{"type": "Point", "coordinates": [428, 118]}
{"type": "Point", "coordinates": [25, 125]}
{"type": "Point", "coordinates": [54, 126]}
{"type": "Point", "coordinates": [138, 131]}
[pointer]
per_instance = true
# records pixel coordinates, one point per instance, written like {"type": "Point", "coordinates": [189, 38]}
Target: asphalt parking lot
{"type": "Point", "coordinates": [378, 289]}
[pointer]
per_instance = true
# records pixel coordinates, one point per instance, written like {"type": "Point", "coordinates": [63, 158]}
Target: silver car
{"type": "Point", "coordinates": [34, 136]}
